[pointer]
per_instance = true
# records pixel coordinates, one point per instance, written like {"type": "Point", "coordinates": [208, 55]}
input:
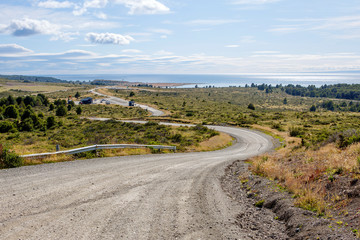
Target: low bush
{"type": "Point", "coordinates": [9, 159]}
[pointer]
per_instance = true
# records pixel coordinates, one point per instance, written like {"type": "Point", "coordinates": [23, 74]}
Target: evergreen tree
{"type": "Point", "coordinates": [251, 106]}
{"type": "Point", "coordinates": [313, 108]}
{"type": "Point", "coordinates": [11, 112]}
{"type": "Point", "coordinates": [78, 110]}
{"type": "Point", "coordinates": [61, 111]}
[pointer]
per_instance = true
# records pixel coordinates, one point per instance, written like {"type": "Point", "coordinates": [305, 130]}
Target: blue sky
{"type": "Point", "coordinates": [173, 36]}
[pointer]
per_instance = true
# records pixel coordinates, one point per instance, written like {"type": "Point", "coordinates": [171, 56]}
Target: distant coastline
{"type": "Point", "coordinates": [203, 80]}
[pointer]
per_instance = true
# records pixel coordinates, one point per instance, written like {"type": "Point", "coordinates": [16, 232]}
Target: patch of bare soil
{"type": "Point", "coordinates": [271, 212]}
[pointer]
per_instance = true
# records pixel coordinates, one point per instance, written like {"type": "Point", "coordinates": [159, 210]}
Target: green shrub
{"type": "Point", "coordinates": [295, 131]}
{"type": "Point", "coordinates": [27, 125]}
{"type": "Point", "coordinates": [313, 108]}
{"type": "Point", "coordinates": [251, 106]}
{"type": "Point", "coordinates": [11, 112]}
{"type": "Point", "coordinates": [50, 122]}
{"type": "Point", "coordinates": [9, 159]}
{"type": "Point", "coordinates": [259, 204]}
{"type": "Point", "coordinates": [7, 126]}
{"type": "Point", "coordinates": [78, 110]}
{"type": "Point", "coordinates": [61, 111]}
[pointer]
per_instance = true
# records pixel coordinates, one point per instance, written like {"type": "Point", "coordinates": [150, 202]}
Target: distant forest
{"type": "Point", "coordinates": [339, 91]}
{"type": "Point", "coordinates": [33, 78]}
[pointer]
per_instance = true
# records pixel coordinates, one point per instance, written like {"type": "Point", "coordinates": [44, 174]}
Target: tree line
{"type": "Point", "coordinates": [339, 91]}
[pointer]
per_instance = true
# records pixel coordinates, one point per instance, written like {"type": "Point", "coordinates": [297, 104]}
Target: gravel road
{"type": "Point", "coordinates": [165, 196]}
{"type": "Point", "coordinates": [119, 101]}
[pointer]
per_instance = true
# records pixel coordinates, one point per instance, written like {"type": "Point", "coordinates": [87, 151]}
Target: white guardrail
{"type": "Point", "coordinates": [99, 147]}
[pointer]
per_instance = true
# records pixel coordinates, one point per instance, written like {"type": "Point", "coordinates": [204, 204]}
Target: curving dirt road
{"type": "Point", "coordinates": [119, 101]}
{"type": "Point", "coordinates": [166, 196]}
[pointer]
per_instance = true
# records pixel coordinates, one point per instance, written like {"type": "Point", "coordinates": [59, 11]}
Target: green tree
{"type": "Point", "coordinates": [77, 94]}
{"type": "Point", "coordinates": [131, 94]}
{"type": "Point", "coordinates": [61, 111]}
{"type": "Point", "coordinates": [11, 100]}
{"type": "Point", "coordinates": [50, 122]}
{"type": "Point", "coordinates": [251, 106]}
{"type": "Point", "coordinates": [19, 100]}
{"type": "Point", "coordinates": [27, 125]}
{"type": "Point", "coordinates": [28, 100]}
{"type": "Point", "coordinates": [11, 112]}
{"type": "Point", "coordinates": [26, 114]}
{"type": "Point", "coordinates": [72, 103]}
{"type": "Point", "coordinates": [313, 108]}
{"type": "Point", "coordinates": [7, 126]}
{"type": "Point", "coordinates": [78, 110]}
{"type": "Point", "coordinates": [51, 107]}
{"type": "Point", "coordinates": [285, 101]}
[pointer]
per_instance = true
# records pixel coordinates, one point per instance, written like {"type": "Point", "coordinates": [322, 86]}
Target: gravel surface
{"type": "Point", "coordinates": [166, 196]}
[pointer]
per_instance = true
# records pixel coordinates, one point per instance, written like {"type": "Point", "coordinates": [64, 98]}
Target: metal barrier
{"type": "Point", "coordinates": [99, 147]}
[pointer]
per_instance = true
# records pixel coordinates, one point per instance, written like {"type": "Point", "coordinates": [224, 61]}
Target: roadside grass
{"type": "Point", "coordinates": [214, 143]}
{"type": "Point", "coordinates": [306, 172]}
{"type": "Point", "coordinates": [72, 132]}
{"type": "Point", "coordinates": [113, 111]}
{"type": "Point", "coordinates": [87, 155]}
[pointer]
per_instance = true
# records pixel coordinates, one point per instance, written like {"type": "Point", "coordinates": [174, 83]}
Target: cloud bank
{"type": "Point", "coordinates": [56, 4]}
{"type": "Point", "coordinates": [144, 6]}
{"type": "Point", "coordinates": [13, 49]}
{"type": "Point", "coordinates": [108, 38]}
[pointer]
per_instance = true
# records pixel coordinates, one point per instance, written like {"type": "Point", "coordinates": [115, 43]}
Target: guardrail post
{"type": "Point", "coordinates": [57, 147]}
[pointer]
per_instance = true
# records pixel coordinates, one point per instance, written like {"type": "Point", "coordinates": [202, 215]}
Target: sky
{"type": "Point", "coordinates": [178, 36]}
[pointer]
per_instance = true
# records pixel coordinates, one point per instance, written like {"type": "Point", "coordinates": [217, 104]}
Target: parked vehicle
{"type": "Point", "coordinates": [87, 100]}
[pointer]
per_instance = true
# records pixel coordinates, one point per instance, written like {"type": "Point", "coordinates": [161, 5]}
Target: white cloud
{"type": "Point", "coordinates": [89, 4]}
{"type": "Point", "coordinates": [56, 4]}
{"type": "Point", "coordinates": [27, 27]}
{"type": "Point", "coordinates": [254, 2]}
{"type": "Point", "coordinates": [144, 6]}
{"type": "Point", "coordinates": [163, 53]}
{"type": "Point", "coordinates": [109, 38]}
{"type": "Point", "coordinates": [349, 25]}
{"type": "Point", "coordinates": [13, 49]}
{"type": "Point", "coordinates": [232, 46]}
{"type": "Point", "coordinates": [131, 51]}
{"type": "Point", "coordinates": [101, 15]}
{"type": "Point", "coordinates": [76, 54]}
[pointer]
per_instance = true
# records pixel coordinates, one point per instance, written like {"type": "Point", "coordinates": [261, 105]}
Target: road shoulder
{"type": "Point", "coordinates": [276, 217]}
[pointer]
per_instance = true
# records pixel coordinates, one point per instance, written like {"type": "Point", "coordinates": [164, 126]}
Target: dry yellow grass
{"type": "Point", "coordinates": [217, 142]}
{"type": "Point", "coordinates": [104, 153]}
{"type": "Point", "coordinates": [302, 171]}
{"type": "Point", "coordinates": [34, 88]}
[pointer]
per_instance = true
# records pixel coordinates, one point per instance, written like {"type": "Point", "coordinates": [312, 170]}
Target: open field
{"type": "Point", "coordinates": [20, 88]}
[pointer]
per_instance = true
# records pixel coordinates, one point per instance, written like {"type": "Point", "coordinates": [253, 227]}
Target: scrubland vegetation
{"type": "Point", "coordinates": [318, 159]}
{"type": "Point", "coordinates": [37, 123]}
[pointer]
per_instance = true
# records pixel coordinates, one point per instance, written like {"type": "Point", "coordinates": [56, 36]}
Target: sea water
{"type": "Point", "coordinates": [224, 80]}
